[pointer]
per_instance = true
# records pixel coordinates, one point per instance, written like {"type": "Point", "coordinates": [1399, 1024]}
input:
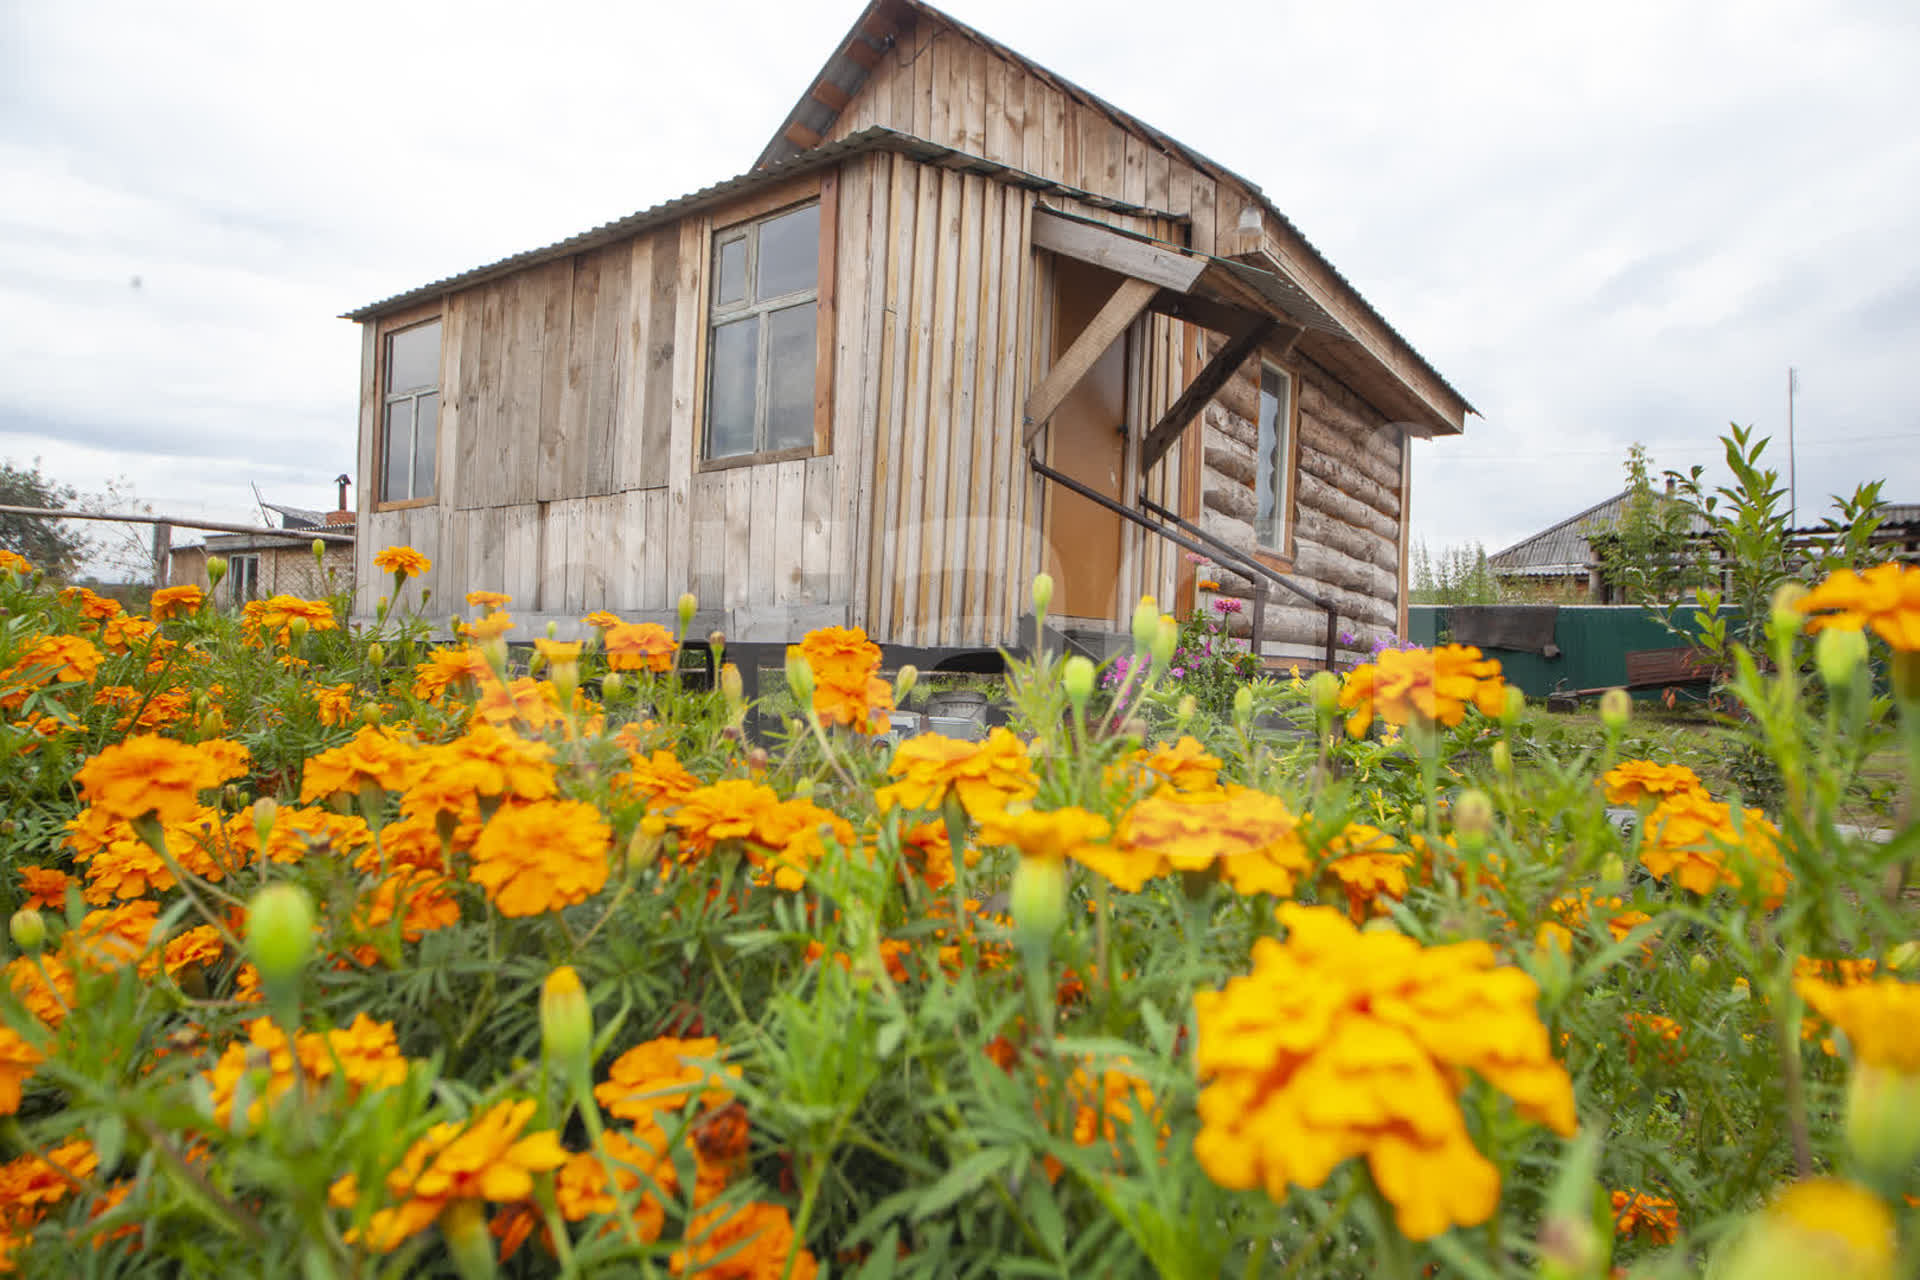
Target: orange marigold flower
{"type": "Point", "coordinates": [123, 633]}
{"type": "Point", "coordinates": [600, 620]}
{"type": "Point", "coordinates": [1184, 765]}
{"type": "Point", "coordinates": [148, 775]}
{"type": "Point", "coordinates": [1368, 866]}
{"type": "Point", "coordinates": [404, 561]}
{"type": "Point", "coordinates": [1632, 781]}
{"type": "Point", "coordinates": [447, 667]}
{"type": "Point", "coordinates": [661, 1075]}
{"type": "Point", "coordinates": [44, 887]}
{"type": "Point", "coordinates": [1695, 840]}
{"type": "Point", "coordinates": [639, 646]}
{"type": "Point", "coordinates": [535, 703]}
{"type": "Point", "coordinates": [14, 562]}
{"type": "Point", "coordinates": [18, 1061]}
{"type": "Point", "coordinates": [542, 856]}
{"type": "Point", "coordinates": [790, 836]}
{"type": "Point", "coordinates": [985, 776]}
{"type": "Point", "coordinates": [726, 810]}
{"type": "Point", "coordinates": [44, 985]}
{"type": "Point", "coordinates": [1648, 1217]}
{"type": "Point", "coordinates": [425, 902]}
{"type": "Point", "coordinates": [484, 1157]}
{"type": "Point", "coordinates": [1881, 1018]}
{"type": "Point", "coordinates": [1655, 1031]}
{"type": "Point", "coordinates": [659, 779]}
{"type": "Point", "coordinates": [33, 1183]}
{"type": "Point", "coordinates": [847, 689]}
{"type": "Point", "coordinates": [1341, 1043]}
{"type": "Point", "coordinates": [376, 757]}
{"type": "Point", "coordinates": [1252, 836]}
{"type": "Point", "coordinates": [1047, 833]}
{"type": "Point", "coordinates": [743, 1242]}
{"type": "Point", "coordinates": [62, 659]}
{"type": "Point", "coordinates": [1885, 598]}
{"type": "Point", "coordinates": [333, 704]}
{"type": "Point", "coordinates": [199, 946]}
{"type": "Point", "coordinates": [299, 831]}
{"type": "Point", "coordinates": [1435, 685]}
{"type": "Point", "coordinates": [558, 652]}
{"type": "Point", "coordinates": [126, 869]}
{"type": "Point", "coordinates": [488, 600]}
{"type": "Point", "coordinates": [270, 617]}
{"type": "Point", "coordinates": [592, 1182]}
{"type": "Point", "coordinates": [176, 602]}
{"type": "Point", "coordinates": [490, 627]}
{"type": "Point", "coordinates": [117, 937]}
{"type": "Point", "coordinates": [97, 608]}
{"type": "Point", "coordinates": [484, 762]}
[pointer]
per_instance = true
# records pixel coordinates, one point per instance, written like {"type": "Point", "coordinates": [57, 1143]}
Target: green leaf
{"type": "Point", "coordinates": [962, 1180]}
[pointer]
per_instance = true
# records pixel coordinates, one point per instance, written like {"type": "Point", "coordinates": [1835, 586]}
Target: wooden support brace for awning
{"type": "Point", "coordinates": [1071, 238]}
{"type": "Point", "coordinates": [1126, 304]}
{"type": "Point", "coordinates": [1205, 385]}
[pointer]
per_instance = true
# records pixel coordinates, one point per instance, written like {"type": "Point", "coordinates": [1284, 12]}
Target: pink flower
{"type": "Point", "coordinates": [1227, 604]}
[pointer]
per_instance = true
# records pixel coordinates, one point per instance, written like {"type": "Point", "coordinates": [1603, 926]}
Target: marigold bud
{"type": "Point", "coordinates": [1323, 694]}
{"type": "Point", "coordinates": [280, 931]}
{"type": "Point", "coordinates": [376, 654]}
{"type": "Point", "coordinates": [1820, 1227]}
{"type": "Point", "coordinates": [319, 552]}
{"type": "Point", "coordinates": [553, 629]}
{"type": "Point", "coordinates": [1613, 872]}
{"type": "Point", "coordinates": [1473, 816]}
{"type": "Point", "coordinates": [1903, 956]}
{"type": "Point", "coordinates": [1243, 706]}
{"type": "Point", "coordinates": [903, 681]}
{"type": "Point", "coordinates": [612, 686]}
{"type": "Point", "coordinates": [1501, 756]}
{"type": "Point", "coordinates": [296, 629]}
{"type": "Point", "coordinates": [1838, 654]}
{"type": "Point", "coordinates": [687, 608]}
{"type": "Point", "coordinates": [803, 789]}
{"type": "Point", "coordinates": [758, 759]}
{"type": "Point", "coordinates": [566, 1024]}
{"type": "Point", "coordinates": [1076, 677]}
{"type": "Point", "coordinates": [1699, 964]}
{"type": "Point", "coordinates": [731, 687]}
{"type": "Point", "coordinates": [1786, 619]}
{"type": "Point", "coordinates": [1042, 592]}
{"type": "Point", "coordinates": [1513, 707]}
{"type": "Point", "coordinates": [1883, 1118]}
{"type": "Point", "coordinates": [1038, 901]}
{"type": "Point", "coordinates": [216, 570]}
{"type": "Point", "coordinates": [645, 844]}
{"type": "Point", "coordinates": [537, 663]}
{"type": "Point", "coordinates": [369, 713]}
{"type": "Point", "coordinates": [214, 723]}
{"type": "Point", "coordinates": [1146, 624]}
{"type": "Point", "coordinates": [1188, 707]}
{"type": "Point", "coordinates": [1616, 708]}
{"type": "Point", "coordinates": [266, 810]}
{"type": "Point", "coordinates": [800, 675]}
{"type": "Point", "coordinates": [29, 930]}
{"type": "Point", "coordinates": [463, 1225]}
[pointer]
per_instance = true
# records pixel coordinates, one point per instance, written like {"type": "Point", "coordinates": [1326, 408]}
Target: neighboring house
{"type": "Point", "coordinates": [1562, 559]}
{"type": "Point", "coordinates": [271, 563]}
{"type": "Point", "coordinates": [809, 394]}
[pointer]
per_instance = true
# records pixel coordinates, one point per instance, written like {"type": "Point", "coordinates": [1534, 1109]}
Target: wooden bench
{"type": "Point", "coordinates": [1649, 669]}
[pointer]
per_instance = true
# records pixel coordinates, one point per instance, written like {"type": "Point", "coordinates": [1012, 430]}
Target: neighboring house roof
{"type": "Point", "coordinates": [1565, 548]}
{"type": "Point", "coordinates": [297, 517]}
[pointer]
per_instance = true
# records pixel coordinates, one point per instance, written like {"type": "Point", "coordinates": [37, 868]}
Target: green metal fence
{"type": "Point", "coordinates": [1594, 641]}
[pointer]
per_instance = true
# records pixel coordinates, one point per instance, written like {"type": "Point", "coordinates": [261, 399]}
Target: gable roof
{"type": "Point", "coordinates": [879, 24]}
{"type": "Point", "coordinates": [1564, 548]}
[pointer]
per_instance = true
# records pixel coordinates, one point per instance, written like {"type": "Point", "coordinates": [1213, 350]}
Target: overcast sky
{"type": "Point", "coordinates": [1603, 224]}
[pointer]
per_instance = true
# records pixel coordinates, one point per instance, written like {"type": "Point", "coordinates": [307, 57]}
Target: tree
{"type": "Point", "coordinates": [1460, 576]}
{"type": "Point", "coordinates": [123, 552]}
{"type": "Point", "coordinates": [1649, 555]}
{"type": "Point", "coordinates": [48, 544]}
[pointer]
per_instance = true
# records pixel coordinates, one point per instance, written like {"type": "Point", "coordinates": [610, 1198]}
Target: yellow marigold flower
{"type": "Point", "coordinates": [366, 1054]}
{"type": "Point", "coordinates": [847, 687]}
{"type": "Point", "coordinates": [1251, 836]}
{"type": "Point", "coordinates": [661, 1075]}
{"type": "Point", "coordinates": [199, 946]}
{"type": "Point", "coordinates": [424, 899]}
{"type": "Point", "coordinates": [1207, 584]}
{"type": "Point", "coordinates": [535, 703]}
{"type": "Point", "coordinates": [743, 1242]}
{"type": "Point", "coordinates": [557, 652]}
{"type": "Point", "coordinates": [125, 869]}
{"type": "Point", "coordinates": [1051, 834]}
{"type": "Point", "coordinates": [1693, 839]}
{"type": "Point", "coordinates": [542, 856]}
{"type": "Point", "coordinates": [300, 831]}
{"type": "Point", "coordinates": [447, 667]}
{"type": "Point", "coordinates": [333, 704]}
{"type": "Point", "coordinates": [176, 602]}
{"type": "Point", "coordinates": [1881, 1018]}
{"type": "Point", "coordinates": [1184, 765]}
{"type": "Point", "coordinates": [600, 620]}
{"type": "Point", "coordinates": [488, 601]}
{"type": "Point", "coordinates": [1342, 1044]}
{"type": "Point", "coordinates": [147, 774]}
{"type": "Point", "coordinates": [592, 1182]}
{"type": "Point", "coordinates": [484, 762]}
{"type": "Point", "coordinates": [788, 838]}
{"type": "Point", "coordinates": [404, 561]}
{"type": "Point", "coordinates": [117, 937]}
{"type": "Point", "coordinates": [1435, 685]}
{"type": "Point", "coordinates": [726, 810]}
{"type": "Point", "coordinates": [270, 617]}
{"type": "Point", "coordinates": [1885, 598]}
{"type": "Point", "coordinates": [44, 887]}
{"type": "Point", "coordinates": [18, 1061]}
{"type": "Point", "coordinates": [61, 659]}
{"type": "Point", "coordinates": [1649, 1217]}
{"type": "Point", "coordinates": [123, 633]}
{"type": "Point", "coordinates": [482, 1158]}
{"type": "Point", "coordinates": [491, 627]}
{"type": "Point", "coordinates": [44, 985]}
{"type": "Point", "coordinates": [1632, 781]}
{"type": "Point", "coordinates": [229, 759]}
{"type": "Point", "coordinates": [1368, 866]}
{"type": "Point", "coordinates": [985, 776]}
{"type": "Point", "coordinates": [1821, 1227]}
{"type": "Point", "coordinates": [639, 646]}
{"type": "Point", "coordinates": [659, 779]}
{"type": "Point", "coordinates": [14, 562]}
{"type": "Point", "coordinates": [375, 757]}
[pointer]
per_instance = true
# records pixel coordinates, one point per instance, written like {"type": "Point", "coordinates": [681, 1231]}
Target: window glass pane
{"type": "Point", "coordinates": [426, 429]}
{"type": "Point", "coordinates": [733, 374]}
{"type": "Point", "coordinates": [789, 253]}
{"type": "Point", "coordinates": [1269, 463]}
{"type": "Point", "coordinates": [790, 364]}
{"type": "Point", "coordinates": [413, 358]}
{"type": "Point", "coordinates": [394, 480]}
{"type": "Point", "coordinates": [730, 272]}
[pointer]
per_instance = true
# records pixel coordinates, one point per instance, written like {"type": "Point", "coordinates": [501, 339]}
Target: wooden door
{"type": "Point", "coordinates": [1086, 440]}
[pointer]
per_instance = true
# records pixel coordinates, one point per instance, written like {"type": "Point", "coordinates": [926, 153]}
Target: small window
{"type": "Point", "coordinates": [243, 578]}
{"type": "Point", "coordinates": [761, 346]}
{"type": "Point", "coordinates": [1272, 459]}
{"type": "Point", "coordinates": [410, 428]}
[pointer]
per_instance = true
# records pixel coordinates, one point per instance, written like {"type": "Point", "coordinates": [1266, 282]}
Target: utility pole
{"type": "Point", "coordinates": [1793, 503]}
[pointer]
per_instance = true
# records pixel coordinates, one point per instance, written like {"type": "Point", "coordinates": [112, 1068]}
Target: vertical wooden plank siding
{"type": "Point", "coordinates": [363, 548]}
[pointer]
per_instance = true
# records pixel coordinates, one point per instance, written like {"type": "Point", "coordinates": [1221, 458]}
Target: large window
{"type": "Point", "coordinates": [243, 578]}
{"type": "Point", "coordinates": [761, 351]}
{"type": "Point", "coordinates": [1273, 459]}
{"type": "Point", "coordinates": [410, 427]}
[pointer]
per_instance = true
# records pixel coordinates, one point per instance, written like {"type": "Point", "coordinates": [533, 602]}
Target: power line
{"type": "Point", "coordinates": [1714, 449]}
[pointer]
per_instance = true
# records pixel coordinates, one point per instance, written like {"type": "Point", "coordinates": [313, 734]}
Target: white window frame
{"type": "Point", "coordinates": [243, 577]}
{"type": "Point", "coordinates": [719, 314]}
{"type": "Point", "coordinates": [411, 396]}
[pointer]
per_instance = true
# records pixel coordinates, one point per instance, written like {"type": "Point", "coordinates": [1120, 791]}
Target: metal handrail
{"type": "Point", "coordinates": [1202, 543]}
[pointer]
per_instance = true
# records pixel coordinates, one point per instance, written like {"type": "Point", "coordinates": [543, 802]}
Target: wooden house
{"type": "Point", "coordinates": [960, 322]}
